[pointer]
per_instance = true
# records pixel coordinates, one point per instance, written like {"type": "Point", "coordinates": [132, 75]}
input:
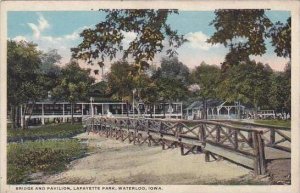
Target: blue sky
{"type": "Point", "coordinates": [60, 29]}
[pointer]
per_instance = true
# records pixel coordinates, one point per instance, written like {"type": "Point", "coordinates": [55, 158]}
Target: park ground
{"type": "Point", "coordinates": [93, 159]}
{"type": "Point", "coordinates": [116, 162]}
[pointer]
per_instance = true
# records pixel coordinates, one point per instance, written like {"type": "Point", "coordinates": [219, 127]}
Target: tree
{"type": "Point", "coordinates": [120, 80]}
{"type": "Point", "coordinates": [149, 26]}
{"type": "Point", "coordinates": [49, 70]}
{"type": "Point", "coordinates": [246, 82]}
{"type": "Point", "coordinates": [242, 31]}
{"type": "Point", "coordinates": [281, 38]}
{"type": "Point", "coordinates": [23, 85]}
{"type": "Point", "coordinates": [172, 80]}
{"type": "Point", "coordinates": [207, 77]}
{"type": "Point", "coordinates": [280, 90]}
{"type": "Point", "coordinates": [74, 86]}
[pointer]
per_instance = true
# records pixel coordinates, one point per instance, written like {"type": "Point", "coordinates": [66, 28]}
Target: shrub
{"type": "Point", "coordinates": [48, 156]}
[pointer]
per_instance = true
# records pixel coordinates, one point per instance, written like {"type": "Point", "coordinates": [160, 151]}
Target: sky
{"type": "Point", "coordinates": [60, 30]}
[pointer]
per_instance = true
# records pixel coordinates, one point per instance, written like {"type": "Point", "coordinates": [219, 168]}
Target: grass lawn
{"type": "Point", "coordinates": [281, 123]}
{"type": "Point", "coordinates": [64, 130]}
{"type": "Point", "coordinates": [48, 156]}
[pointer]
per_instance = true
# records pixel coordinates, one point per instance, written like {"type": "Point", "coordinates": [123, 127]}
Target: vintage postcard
{"type": "Point", "coordinates": [140, 96]}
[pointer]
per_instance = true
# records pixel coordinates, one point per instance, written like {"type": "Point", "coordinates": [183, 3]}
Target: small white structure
{"type": "Point", "coordinates": [215, 109]}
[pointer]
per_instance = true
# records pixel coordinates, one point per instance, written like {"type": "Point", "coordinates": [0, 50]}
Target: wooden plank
{"type": "Point", "coordinates": [256, 154]}
{"type": "Point", "coordinates": [262, 159]}
{"type": "Point", "coordinates": [231, 155]}
{"type": "Point", "coordinates": [284, 136]}
{"type": "Point", "coordinates": [287, 149]}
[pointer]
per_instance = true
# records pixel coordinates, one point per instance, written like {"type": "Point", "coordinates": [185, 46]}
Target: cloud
{"type": "Point", "coordinates": [20, 38]}
{"type": "Point", "coordinates": [37, 29]}
{"type": "Point", "coordinates": [128, 37]}
{"type": "Point", "coordinates": [198, 40]}
{"type": "Point", "coordinates": [62, 43]}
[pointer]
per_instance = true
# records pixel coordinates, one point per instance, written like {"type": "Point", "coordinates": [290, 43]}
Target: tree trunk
{"type": "Point", "coordinates": [17, 117]}
{"type": "Point", "coordinates": [30, 114]}
{"type": "Point", "coordinates": [13, 117]}
{"type": "Point", "coordinates": [24, 126]}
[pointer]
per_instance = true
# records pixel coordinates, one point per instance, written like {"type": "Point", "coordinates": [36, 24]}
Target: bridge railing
{"type": "Point", "coordinates": [242, 145]}
{"type": "Point", "coordinates": [277, 137]}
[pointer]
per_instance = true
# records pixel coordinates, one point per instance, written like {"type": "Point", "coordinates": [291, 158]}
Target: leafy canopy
{"type": "Point", "coordinates": [23, 63]}
{"type": "Point", "coordinates": [74, 83]}
{"type": "Point", "coordinates": [242, 31]}
{"type": "Point", "coordinates": [149, 26]}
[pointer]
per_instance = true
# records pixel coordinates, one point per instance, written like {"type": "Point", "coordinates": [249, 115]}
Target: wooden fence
{"type": "Point", "coordinates": [241, 145]}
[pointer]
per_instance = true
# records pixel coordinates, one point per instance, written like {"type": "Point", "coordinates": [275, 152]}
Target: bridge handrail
{"type": "Point", "coordinates": [255, 124]}
{"type": "Point", "coordinates": [187, 121]}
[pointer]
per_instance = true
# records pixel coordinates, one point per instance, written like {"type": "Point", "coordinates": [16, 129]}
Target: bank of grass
{"type": "Point", "coordinates": [274, 122]}
{"type": "Point", "coordinates": [47, 157]}
{"type": "Point", "coordinates": [64, 130]}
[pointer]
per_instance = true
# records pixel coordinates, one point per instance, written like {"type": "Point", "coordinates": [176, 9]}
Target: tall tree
{"type": "Point", "coordinates": [149, 26]}
{"type": "Point", "coordinates": [246, 82]}
{"type": "Point", "coordinates": [49, 70]}
{"type": "Point", "coordinates": [23, 85]}
{"type": "Point", "coordinates": [207, 77]}
{"type": "Point", "coordinates": [172, 80]}
{"type": "Point", "coordinates": [74, 86]}
{"type": "Point", "coordinates": [120, 80]}
{"type": "Point", "coordinates": [243, 31]}
{"type": "Point", "coordinates": [280, 90]}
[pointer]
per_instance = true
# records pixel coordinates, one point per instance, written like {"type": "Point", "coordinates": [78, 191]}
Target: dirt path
{"type": "Point", "coordinates": [115, 162]}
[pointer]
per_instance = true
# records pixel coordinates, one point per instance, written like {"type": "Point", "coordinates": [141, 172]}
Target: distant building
{"type": "Point", "coordinates": [214, 109]}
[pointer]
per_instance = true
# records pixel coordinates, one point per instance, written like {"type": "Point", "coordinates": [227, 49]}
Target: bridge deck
{"type": "Point", "coordinates": [250, 147]}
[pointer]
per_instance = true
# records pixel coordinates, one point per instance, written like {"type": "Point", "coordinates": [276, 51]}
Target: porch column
{"type": "Point", "coordinates": [64, 119]}
{"type": "Point", "coordinates": [43, 119]}
{"type": "Point", "coordinates": [154, 111]}
{"type": "Point", "coordinates": [181, 111]}
{"type": "Point", "coordinates": [102, 109]}
{"type": "Point", "coordinates": [22, 123]}
{"type": "Point", "coordinates": [122, 108]}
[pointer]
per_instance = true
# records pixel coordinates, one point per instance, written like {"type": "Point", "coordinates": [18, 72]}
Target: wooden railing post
{"type": "Point", "coordinates": [272, 136]}
{"type": "Point", "coordinates": [261, 149]}
{"type": "Point", "coordinates": [202, 134]}
{"type": "Point", "coordinates": [218, 134]}
{"type": "Point", "coordinates": [236, 142]}
{"type": "Point", "coordinates": [259, 153]}
{"type": "Point", "coordinates": [250, 139]}
{"type": "Point", "coordinates": [181, 146]}
{"type": "Point", "coordinates": [255, 153]}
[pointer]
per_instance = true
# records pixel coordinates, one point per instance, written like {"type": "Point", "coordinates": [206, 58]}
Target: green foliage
{"type": "Point", "coordinates": [45, 132]}
{"type": "Point", "coordinates": [49, 71]}
{"type": "Point", "coordinates": [120, 79]}
{"type": "Point", "coordinates": [280, 90]}
{"type": "Point", "coordinates": [48, 156]}
{"type": "Point", "coordinates": [172, 79]}
{"type": "Point", "coordinates": [150, 27]}
{"type": "Point", "coordinates": [247, 82]}
{"type": "Point", "coordinates": [23, 60]}
{"type": "Point", "coordinates": [208, 78]}
{"type": "Point", "coordinates": [75, 83]}
{"type": "Point", "coordinates": [243, 31]}
{"type": "Point", "coordinates": [281, 38]}
{"type": "Point", "coordinates": [281, 123]}
{"type": "Point", "coordinates": [24, 82]}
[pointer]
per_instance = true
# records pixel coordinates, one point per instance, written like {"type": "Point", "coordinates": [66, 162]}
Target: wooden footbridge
{"type": "Point", "coordinates": [242, 143]}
